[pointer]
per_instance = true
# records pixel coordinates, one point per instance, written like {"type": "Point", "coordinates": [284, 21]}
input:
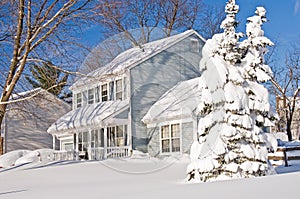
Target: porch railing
{"type": "Point", "coordinates": [101, 153]}
{"type": "Point", "coordinates": [98, 153]}
{"type": "Point", "coordinates": [64, 155]}
{"type": "Point", "coordinates": [117, 152]}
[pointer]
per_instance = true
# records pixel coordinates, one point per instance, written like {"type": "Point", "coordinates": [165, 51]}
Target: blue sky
{"type": "Point", "coordinates": [283, 27]}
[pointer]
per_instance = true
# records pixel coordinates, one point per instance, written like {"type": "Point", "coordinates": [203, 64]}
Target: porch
{"type": "Point", "coordinates": [99, 153]}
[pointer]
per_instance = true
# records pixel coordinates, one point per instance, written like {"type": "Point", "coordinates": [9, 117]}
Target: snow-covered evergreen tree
{"type": "Point", "coordinates": [231, 143]}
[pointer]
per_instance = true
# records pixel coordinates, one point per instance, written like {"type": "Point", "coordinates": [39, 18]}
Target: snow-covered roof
{"type": "Point", "coordinates": [133, 57]}
{"type": "Point", "coordinates": [178, 102]}
{"type": "Point", "coordinates": [89, 115]}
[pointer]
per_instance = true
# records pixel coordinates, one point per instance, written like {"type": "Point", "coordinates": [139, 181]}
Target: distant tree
{"type": "Point", "coordinates": [210, 20]}
{"type": "Point", "coordinates": [234, 104]}
{"type": "Point", "coordinates": [47, 77]}
{"type": "Point", "coordinates": [286, 88]}
{"type": "Point", "coordinates": [148, 15]}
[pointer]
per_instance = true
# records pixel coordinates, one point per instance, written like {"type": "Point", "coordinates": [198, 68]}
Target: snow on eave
{"type": "Point", "coordinates": [179, 102]}
{"type": "Point", "coordinates": [83, 117]}
{"type": "Point", "coordinates": [142, 56]}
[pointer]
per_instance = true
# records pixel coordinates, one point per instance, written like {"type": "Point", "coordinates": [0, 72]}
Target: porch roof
{"type": "Point", "coordinates": [99, 114]}
{"type": "Point", "coordinates": [177, 103]}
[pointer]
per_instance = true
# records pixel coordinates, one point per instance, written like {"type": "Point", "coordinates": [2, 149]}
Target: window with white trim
{"type": "Point", "coordinates": [78, 100]}
{"type": "Point", "coordinates": [119, 89]}
{"type": "Point", "coordinates": [83, 141]}
{"type": "Point", "coordinates": [104, 92]}
{"type": "Point", "coordinates": [91, 96]}
{"type": "Point", "coordinates": [97, 94]}
{"type": "Point", "coordinates": [95, 141]}
{"type": "Point", "coordinates": [170, 138]}
{"type": "Point", "coordinates": [117, 135]}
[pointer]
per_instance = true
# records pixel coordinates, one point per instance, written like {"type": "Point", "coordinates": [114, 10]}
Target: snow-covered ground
{"type": "Point", "coordinates": [136, 177]}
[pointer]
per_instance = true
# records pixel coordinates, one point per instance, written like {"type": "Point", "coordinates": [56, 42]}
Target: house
{"type": "Point", "coordinates": [295, 126]}
{"type": "Point", "coordinates": [26, 121]}
{"type": "Point", "coordinates": [110, 103]}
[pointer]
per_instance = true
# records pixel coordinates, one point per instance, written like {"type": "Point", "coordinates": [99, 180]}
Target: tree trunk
{"type": "Point", "coordinates": [2, 113]}
{"type": "Point", "coordinates": [1, 145]}
{"type": "Point", "coordinates": [288, 129]}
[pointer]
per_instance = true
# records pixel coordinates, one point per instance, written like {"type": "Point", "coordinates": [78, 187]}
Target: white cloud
{"type": "Point", "coordinates": [296, 7]}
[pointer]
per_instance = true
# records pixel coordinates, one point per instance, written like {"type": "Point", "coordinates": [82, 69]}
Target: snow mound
{"type": "Point", "coordinates": [40, 155]}
{"type": "Point", "coordinates": [10, 158]}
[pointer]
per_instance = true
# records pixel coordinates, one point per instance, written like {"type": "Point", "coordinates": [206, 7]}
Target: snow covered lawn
{"type": "Point", "coordinates": [136, 178]}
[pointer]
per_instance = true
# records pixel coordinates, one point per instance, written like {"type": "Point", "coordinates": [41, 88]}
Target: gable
{"type": "Point", "coordinates": [134, 56]}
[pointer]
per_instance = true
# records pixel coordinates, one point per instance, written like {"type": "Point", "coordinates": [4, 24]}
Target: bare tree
{"type": "Point", "coordinates": [30, 29]}
{"type": "Point", "coordinates": [286, 87]}
{"type": "Point", "coordinates": [148, 15]}
{"type": "Point", "coordinates": [210, 20]}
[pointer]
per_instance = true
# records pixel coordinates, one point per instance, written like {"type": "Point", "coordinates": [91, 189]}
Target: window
{"type": "Point", "coordinates": [104, 92]}
{"type": "Point", "coordinates": [91, 96]}
{"type": "Point", "coordinates": [194, 46]}
{"type": "Point", "coordinates": [119, 90]}
{"type": "Point", "coordinates": [117, 136]}
{"type": "Point", "coordinates": [95, 142]}
{"type": "Point", "coordinates": [83, 141]}
{"type": "Point", "coordinates": [170, 138]}
{"type": "Point", "coordinates": [111, 136]}
{"type": "Point", "coordinates": [111, 90]}
{"type": "Point", "coordinates": [78, 100]}
{"type": "Point", "coordinates": [97, 94]}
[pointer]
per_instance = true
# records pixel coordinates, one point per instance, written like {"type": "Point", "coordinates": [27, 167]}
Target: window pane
{"type": "Point", "coordinates": [91, 96]}
{"type": "Point", "coordinates": [111, 90]}
{"type": "Point", "coordinates": [165, 146]}
{"type": "Point", "coordinates": [175, 130]}
{"type": "Point", "coordinates": [84, 136]}
{"type": "Point", "coordinates": [165, 131]}
{"type": "Point", "coordinates": [119, 89]}
{"type": "Point", "coordinates": [79, 137]}
{"type": "Point", "coordinates": [97, 97]}
{"type": "Point", "coordinates": [175, 145]}
{"type": "Point", "coordinates": [78, 100]}
{"type": "Point", "coordinates": [104, 92]}
{"type": "Point", "coordinates": [119, 131]}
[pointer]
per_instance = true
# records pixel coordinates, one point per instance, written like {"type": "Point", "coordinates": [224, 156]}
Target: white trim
{"type": "Point", "coordinates": [170, 139]}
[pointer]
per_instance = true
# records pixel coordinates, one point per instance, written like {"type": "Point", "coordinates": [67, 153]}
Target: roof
{"type": "Point", "coordinates": [178, 102]}
{"type": "Point", "coordinates": [89, 115]}
{"type": "Point", "coordinates": [133, 57]}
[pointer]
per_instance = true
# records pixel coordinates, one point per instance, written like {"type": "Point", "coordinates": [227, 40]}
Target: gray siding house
{"type": "Point", "coordinates": [26, 121]}
{"type": "Point", "coordinates": [109, 105]}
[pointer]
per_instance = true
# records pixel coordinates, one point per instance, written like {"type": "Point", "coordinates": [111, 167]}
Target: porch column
{"type": "Point", "coordinates": [89, 149]}
{"type": "Point", "coordinates": [105, 142]}
{"type": "Point", "coordinates": [76, 146]}
{"type": "Point", "coordinates": [53, 142]}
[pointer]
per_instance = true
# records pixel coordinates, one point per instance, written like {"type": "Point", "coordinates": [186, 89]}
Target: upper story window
{"type": "Point", "coordinates": [91, 96]}
{"type": "Point", "coordinates": [97, 94]}
{"type": "Point", "coordinates": [194, 46]}
{"type": "Point", "coordinates": [119, 89]}
{"type": "Point", "coordinates": [104, 92]}
{"type": "Point", "coordinates": [170, 138]}
{"type": "Point", "coordinates": [78, 100]}
{"type": "Point", "coordinates": [113, 90]}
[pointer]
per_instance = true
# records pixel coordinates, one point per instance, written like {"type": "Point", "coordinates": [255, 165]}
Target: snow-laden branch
{"type": "Point", "coordinates": [30, 96]}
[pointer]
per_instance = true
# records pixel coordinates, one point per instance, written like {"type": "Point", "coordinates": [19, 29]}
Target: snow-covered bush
{"type": "Point", "coordinates": [234, 105]}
